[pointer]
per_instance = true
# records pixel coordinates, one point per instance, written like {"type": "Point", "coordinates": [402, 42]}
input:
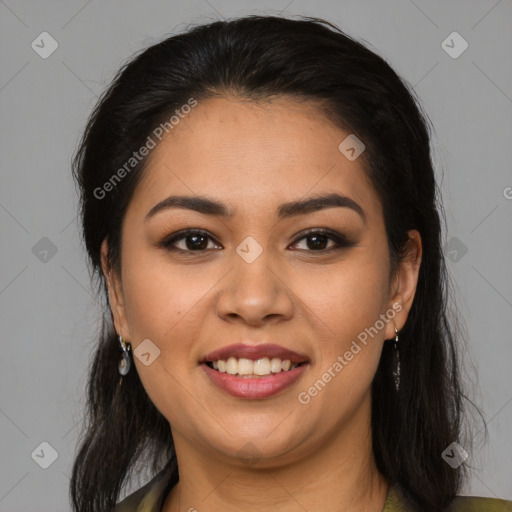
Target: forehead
{"type": "Point", "coordinates": [252, 155]}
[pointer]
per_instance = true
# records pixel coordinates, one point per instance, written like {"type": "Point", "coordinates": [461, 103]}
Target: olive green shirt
{"type": "Point", "coordinates": [151, 498]}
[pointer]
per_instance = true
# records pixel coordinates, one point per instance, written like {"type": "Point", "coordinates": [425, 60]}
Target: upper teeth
{"type": "Point", "coordinates": [244, 366]}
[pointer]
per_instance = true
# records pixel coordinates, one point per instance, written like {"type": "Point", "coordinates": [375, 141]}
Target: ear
{"type": "Point", "coordinates": [404, 284]}
{"type": "Point", "coordinates": [115, 294]}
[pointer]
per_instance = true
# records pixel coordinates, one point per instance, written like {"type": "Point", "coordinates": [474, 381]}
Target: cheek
{"type": "Point", "coordinates": [160, 299]}
{"type": "Point", "coordinates": [164, 308]}
{"type": "Point", "coordinates": [346, 299]}
{"type": "Point", "coordinates": [348, 342]}
{"type": "Point", "coordinates": [345, 307]}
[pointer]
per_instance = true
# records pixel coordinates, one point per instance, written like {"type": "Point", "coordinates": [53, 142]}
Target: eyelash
{"type": "Point", "coordinates": [340, 241]}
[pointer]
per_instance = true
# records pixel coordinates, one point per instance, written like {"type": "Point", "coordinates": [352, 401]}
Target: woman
{"type": "Point", "coordinates": [259, 206]}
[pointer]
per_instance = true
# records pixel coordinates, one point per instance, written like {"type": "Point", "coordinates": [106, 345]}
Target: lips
{"type": "Point", "coordinates": [255, 386]}
{"type": "Point", "coordinates": [243, 350]}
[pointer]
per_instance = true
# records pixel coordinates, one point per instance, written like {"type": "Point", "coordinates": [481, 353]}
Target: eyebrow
{"type": "Point", "coordinates": [209, 206]}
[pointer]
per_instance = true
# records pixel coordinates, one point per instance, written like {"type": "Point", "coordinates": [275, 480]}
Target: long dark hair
{"type": "Point", "coordinates": [258, 57]}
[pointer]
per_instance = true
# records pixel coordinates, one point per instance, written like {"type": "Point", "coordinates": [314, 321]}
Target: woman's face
{"type": "Point", "coordinates": [256, 276]}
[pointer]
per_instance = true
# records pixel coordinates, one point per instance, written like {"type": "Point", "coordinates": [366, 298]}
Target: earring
{"type": "Point", "coordinates": [124, 363]}
{"type": "Point", "coordinates": [396, 361]}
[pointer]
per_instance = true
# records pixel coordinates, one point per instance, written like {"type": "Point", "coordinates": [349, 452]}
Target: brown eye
{"type": "Point", "coordinates": [194, 241]}
{"type": "Point", "coordinates": [317, 241]}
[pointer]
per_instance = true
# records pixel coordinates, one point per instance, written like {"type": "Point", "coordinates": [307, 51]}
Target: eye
{"type": "Point", "coordinates": [196, 240]}
{"type": "Point", "coordinates": [319, 238]}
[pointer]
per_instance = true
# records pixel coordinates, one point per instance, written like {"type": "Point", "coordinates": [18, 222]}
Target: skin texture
{"type": "Point", "coordinates": [254, 157]}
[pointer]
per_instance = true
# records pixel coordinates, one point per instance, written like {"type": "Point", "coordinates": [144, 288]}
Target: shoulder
{"type": "Point", "coordinates": [131, 502]}
{"type": "Point", "coordinates": [479, 504]}
{"type": "Point", "coordinates": [142, 500]}
{"type": "Point", "coordinates": [150, 497]}
{"type": "Point", "coordinates": [397, 502]}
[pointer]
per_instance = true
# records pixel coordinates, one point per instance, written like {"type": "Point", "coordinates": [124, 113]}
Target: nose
{"type": "Point", "coordinates": [255, 293]}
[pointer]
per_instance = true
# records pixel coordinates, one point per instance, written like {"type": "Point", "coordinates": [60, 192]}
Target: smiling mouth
{"type": "Point", "coordinates": [250, 368]}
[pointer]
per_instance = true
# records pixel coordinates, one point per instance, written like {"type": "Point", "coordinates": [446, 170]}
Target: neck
{"type": "Point", "coordinates": [339, 475]}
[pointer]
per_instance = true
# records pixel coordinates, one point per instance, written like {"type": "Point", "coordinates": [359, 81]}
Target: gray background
{"type": "Point", "coordinates": [49, 317]}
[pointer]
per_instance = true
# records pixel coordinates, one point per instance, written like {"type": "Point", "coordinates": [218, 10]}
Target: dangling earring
{"type": "Point", "coordinates": [124, 363]}
{"type": "Point", "coordinates": [396, 361]}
